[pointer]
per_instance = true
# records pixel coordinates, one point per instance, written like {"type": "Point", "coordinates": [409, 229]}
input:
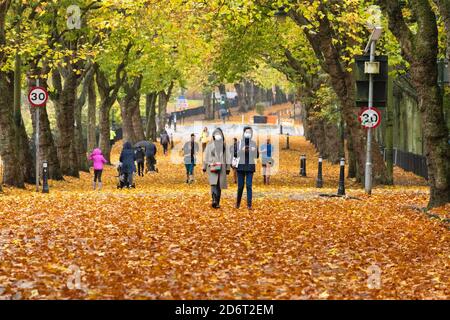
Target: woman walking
{"type": "Point", "coordinates": [235, 161]}
{"type": "Point", "coordinates": [217, 164]}
{"type": "Point", "coordinates": [190, 150]}
{"type": "Point", "coordinates": [128, 158]}
{"type": "Point", "coordinates": [248, 153]}
{"type": "Point", "coordinates": [204, 138]}
{"type": "Point", "coordinates": [98, 161]}
{"type": "Point", "coordinates": [266, 151]}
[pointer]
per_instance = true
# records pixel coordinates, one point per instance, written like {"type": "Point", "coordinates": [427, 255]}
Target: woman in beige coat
{"type": "Point", "coordinates": [217, 163]}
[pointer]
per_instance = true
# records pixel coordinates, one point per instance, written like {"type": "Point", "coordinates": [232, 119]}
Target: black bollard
{"type": "Point", "coordinates": [171, 141]}
{"type": "Point", "coordinates": [287, 141]}
{"type": "Point", "coordinates": [341, 190]}
{"type": "Point", "coordinates": [303, 166]}
{"type": "Point", "coordinates": [281, 129]}
{"type": "Point", "coordinates": [319, 182]}
{"type": "Point", "coordinates": [45, 188]}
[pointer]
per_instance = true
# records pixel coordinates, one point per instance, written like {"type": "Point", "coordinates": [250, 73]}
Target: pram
{"type": "Point", "coordinates": [122, 178]}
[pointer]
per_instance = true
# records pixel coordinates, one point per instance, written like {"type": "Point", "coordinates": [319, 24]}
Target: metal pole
{"type": "Point", "coordinates": [37, 143]}
{"type": "Point", "coordinates": [368, 176]}
{"type": "Point", "coordinates": [341, 188]}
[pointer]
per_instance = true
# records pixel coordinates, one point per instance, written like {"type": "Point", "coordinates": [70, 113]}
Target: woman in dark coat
{"type": "Point", "coordinates": [247, 154]}
{"type": "Point", "coordinates": [128, 158]}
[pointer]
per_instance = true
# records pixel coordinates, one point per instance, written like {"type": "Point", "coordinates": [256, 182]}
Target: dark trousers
{"type": "Point", "coordinates": [165, 148]}
{"type": "Point", "coordinates": [98, 175]}
{"type": "Point", "coordinates": [151, 161]}
{"type": "Point", "coordinates": [140, 166]}
{"type": "Point", "coordinates": [216, 192]}
{"type": "Point", "coordinates": [245, 178]}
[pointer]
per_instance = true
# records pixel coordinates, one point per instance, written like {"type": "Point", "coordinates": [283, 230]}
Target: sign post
{"type": "Point", "coordinates": [37, 97]}
{"type": "Point", "coordinates": [371, 70]}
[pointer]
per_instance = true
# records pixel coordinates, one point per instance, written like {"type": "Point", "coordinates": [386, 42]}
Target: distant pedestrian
{"type": "Point", "coordinates": [267, 161]}
{"type": "Point", "coordinates": [248, 153]}
{"type": "Point", "coordinates": [165, 140]}
{"type": "Point", "coordinates": [217, 165]}
{"type": "Point", "coordinates": [98, 162]}
{"type": "Point", "coordinates": [140, 159]}
{"type": "Point", "coordinates": [204, 138]}
{"type": "Point", "coordinates": [190, 151]}
{"type": "Point", "coordinates": [127, 159]}
{"type": "Point", "coordinates": [150, 154]}
{"type": "Point", "coordinates": [235, 161]}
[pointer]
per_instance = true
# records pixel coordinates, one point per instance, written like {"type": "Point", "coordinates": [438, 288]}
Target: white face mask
{"type": "Point", "coordinates": [218, 137]}
{"type": "Point", "coordinates": [247, 135]}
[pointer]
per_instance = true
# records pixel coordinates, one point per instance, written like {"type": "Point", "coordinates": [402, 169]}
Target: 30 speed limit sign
{"type": "Point", "coordinates": [38, 96]}
{"type": "Point", "coordinates": [370, 118]}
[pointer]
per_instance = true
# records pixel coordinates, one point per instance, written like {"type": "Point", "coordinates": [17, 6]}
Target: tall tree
{"type": "Point", "coordinates": [420, 49]}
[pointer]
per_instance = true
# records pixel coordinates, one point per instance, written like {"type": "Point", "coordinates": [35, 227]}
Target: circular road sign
{"type": "Point", "coordinates": [370, 118]}
{"type": "Point", "coordinates": [38, 96]}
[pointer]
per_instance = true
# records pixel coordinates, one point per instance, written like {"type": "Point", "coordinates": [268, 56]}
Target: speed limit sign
{"type": "Point", "coordinates": [370, 118]}
{"type": "Point", "coordinates": [38, 96]}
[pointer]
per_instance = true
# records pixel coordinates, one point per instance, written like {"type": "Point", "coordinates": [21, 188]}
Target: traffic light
{"type": "Point", "coordinates": [362, 82]}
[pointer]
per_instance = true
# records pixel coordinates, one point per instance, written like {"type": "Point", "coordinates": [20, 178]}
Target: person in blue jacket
{"type": "Point", "coordinates": [128, 159]}
{"type": "Point", "coordinates": [267, 161]}
{"type": "Point", "coordinates": [247, 153]}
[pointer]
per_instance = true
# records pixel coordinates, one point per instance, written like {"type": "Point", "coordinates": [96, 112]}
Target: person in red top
{"type": "Point", "coordinates": [98, 161]}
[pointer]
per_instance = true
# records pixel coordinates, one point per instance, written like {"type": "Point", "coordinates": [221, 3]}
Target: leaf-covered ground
{"type": "Point", "coordinates": [163, 241]}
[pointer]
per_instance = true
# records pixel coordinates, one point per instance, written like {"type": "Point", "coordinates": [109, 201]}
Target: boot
{"type": "Point", "coordinates": [214, 201]}
{"type": "Point", "coordinates": [191, 178]}
{"type": "Point", "coordinates": [265, 179]}
{"type": "Point", "coordinates": [268, 180]}
{"type": "Point", "coordinates": [94, 185]}
{"type": "Point", "coordinates": [100, 185]}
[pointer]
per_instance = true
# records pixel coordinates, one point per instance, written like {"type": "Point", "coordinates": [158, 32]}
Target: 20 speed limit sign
{"type": "Point", "coordinates": [38, 96]}
{"type": "Point", "coordinates": [370, 118]}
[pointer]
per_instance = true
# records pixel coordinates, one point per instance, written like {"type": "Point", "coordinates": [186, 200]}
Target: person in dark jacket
{"type": "Point", "coordinates": [234, 155]}
{"type": "Point", "coordinates": [190, 151]}
{"type": "Point", "coordinates": [128, 158]}
{"type": "Point", "coordinates": [247, 153]}
{"type": "Point", "coordinates": [150, 153]}
{"type": "Point", "coordinates": [165, 140]}
{"type": "Point", "coordinates": [140, 159]}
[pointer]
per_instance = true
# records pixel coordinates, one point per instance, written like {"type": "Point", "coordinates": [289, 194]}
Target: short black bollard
{"type": "Point", "coordinates": [341, 190]}
{"type": "Point", "coordinates": [287, 141]}
{"type": "Point", "coordinates": [281, 129]}
{"type": "Point", "coordinates": [45, 188]}
{"type": "Point", "coordinates": [303, 166]}
{"type": "Point", "coordinates": [319, 182]}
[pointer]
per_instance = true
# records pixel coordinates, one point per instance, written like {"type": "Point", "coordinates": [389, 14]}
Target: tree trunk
{"type": "Point", "coordinates": [12, 173]}
{"type": "Point", "coordinates": [137, 120]}
{"type": "Point", "coordinates": [420, 49]}
{"type": "Point", "coordinates": [207, 103]}
{"type": "Point", "coordinates": [150, 106]}
{"type": "Point", "coordinates": [240, 96]}
{"type": "Point", "coordinates": [65, 120]}
{"type": "Point", "coordinates": [163, 100]}
{"type": "Point", "coordinates": [92, 117]}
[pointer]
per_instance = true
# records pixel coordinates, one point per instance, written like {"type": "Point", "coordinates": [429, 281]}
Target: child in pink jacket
{"type": "Point", "coordinates": [97, 158]}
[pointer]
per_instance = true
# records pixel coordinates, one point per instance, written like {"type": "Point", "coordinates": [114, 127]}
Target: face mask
{"type": "Point", "coordinates": [247, 135]}
{"type": "Point", "coordinates": [218, 137]}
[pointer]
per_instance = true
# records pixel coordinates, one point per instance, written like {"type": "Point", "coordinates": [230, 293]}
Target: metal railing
{"type": "Point", "coordinates": [410, 162]}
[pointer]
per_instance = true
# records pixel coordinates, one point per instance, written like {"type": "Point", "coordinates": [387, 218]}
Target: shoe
{"type": "Point", "coordinates": [250, 208]}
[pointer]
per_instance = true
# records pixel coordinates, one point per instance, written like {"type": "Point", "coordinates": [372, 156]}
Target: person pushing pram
{"type": "Point", "coordinates": [127, 167]}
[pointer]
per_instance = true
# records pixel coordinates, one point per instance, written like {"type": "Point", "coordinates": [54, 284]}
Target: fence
{"type": "Point", "coordinates": [411, 162]}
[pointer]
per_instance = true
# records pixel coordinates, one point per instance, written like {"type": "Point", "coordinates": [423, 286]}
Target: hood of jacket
{"type": "Point", "coordinates": [218, 131]}
{"type": "Point", "coordinates": [127, 146]}
{"type": "Point", "coordinates": [96, 152]}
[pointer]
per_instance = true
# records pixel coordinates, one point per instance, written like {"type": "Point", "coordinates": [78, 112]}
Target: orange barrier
{"type": "Point", "coordinates": [272, 119]}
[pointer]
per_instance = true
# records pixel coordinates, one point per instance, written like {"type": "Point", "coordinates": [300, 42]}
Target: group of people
{"type": "Point", "coordinates": [131, 159]}
{"type": "Point", "coordinates": [219, 160]}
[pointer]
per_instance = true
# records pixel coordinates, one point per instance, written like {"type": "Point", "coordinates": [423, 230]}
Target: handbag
{"type": "Point", "coordinates": [235, 162]}
{"type": "Point", "coordinates": [215, 167]}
